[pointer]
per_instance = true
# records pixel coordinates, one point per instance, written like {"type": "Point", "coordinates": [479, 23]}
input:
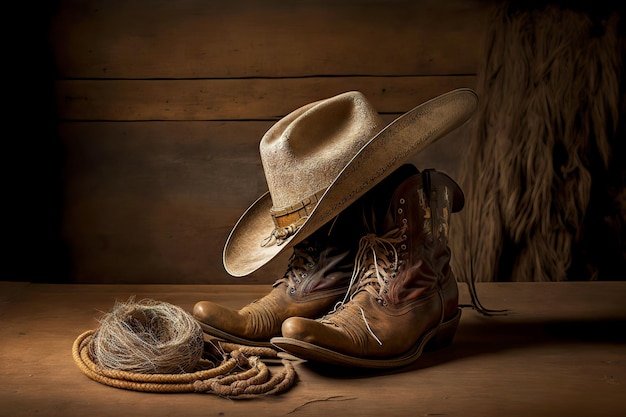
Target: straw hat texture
{"type": "Point", "coordinates": [321, 158]}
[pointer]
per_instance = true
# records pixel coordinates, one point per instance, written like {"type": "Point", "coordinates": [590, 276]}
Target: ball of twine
{"type": "Point", "coordinates": [150, 337]}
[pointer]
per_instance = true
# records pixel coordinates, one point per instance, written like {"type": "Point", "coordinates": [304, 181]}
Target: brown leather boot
{"type": "Point", "coordinates": [406, 296]}
{"type": "Point", "coordinates": [316, 279]}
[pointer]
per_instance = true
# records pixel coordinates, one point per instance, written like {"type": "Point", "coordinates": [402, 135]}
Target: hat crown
{"type": "Point", "coordinates": [305, 151]}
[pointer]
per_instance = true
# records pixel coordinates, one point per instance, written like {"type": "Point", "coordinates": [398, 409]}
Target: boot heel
{"type": "Point", "coordinates": [445, 333]}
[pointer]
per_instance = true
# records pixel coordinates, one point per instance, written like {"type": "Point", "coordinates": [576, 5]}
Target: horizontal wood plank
{"type": "Point", "coordinates": [249, 99]}
{"type": "Point", "coordinates": [247, 38]}
{"type": "Point", "coordinates": [153, 202]}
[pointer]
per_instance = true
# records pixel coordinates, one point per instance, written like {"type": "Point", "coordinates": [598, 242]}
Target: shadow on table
{"type": "Point", "coordinates": [488, 335]}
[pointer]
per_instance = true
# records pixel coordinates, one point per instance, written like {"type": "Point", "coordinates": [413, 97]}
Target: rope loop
{"type": "Point", "coordinates": [233, 371]}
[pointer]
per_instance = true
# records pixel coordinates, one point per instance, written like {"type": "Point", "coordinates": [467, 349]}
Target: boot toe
{"type": "Point", "coordinates": [299, 328]}
{"type": "Point", "coordinates": [203, 310]}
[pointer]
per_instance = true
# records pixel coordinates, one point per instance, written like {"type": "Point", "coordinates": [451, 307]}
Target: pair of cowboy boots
{"type": "Point", "coordinates": [372, 288]}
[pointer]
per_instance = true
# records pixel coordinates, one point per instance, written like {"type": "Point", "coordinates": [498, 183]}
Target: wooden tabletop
{"type": "Point", "coordinates": [561, 351]}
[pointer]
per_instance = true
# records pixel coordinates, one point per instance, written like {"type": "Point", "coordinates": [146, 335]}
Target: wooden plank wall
{"type": "Point", "coordinates": [161, 106]}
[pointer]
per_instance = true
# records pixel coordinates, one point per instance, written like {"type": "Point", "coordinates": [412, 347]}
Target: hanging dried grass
{"type": "Point", "coordinates": [550, 104]}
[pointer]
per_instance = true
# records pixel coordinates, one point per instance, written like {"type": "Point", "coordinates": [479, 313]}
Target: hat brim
{"type": "Point", "coordinates": [384, 153]}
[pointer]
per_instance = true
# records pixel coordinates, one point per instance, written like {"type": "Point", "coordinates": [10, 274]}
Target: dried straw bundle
{"type": "Point", "coordinates": [550, 109]}
{"type": "Point", "coordinates": [154, 346]}
{"type": "Point", "coordinates": [149, 337]}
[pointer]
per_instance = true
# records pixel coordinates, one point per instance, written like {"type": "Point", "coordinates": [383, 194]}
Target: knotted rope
{"type": "Point", "coordinates": [225, 369]}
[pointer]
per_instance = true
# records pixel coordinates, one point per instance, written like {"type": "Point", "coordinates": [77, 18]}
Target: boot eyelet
{"type": "Point", "coordinates": [297, 280]}
{"type": "Point", "coordinates": [304, 275]}
{"type": "Point", "coordinates": [403, 237]}
{"type": "Point", "coordinates": [292, 290]}
{"type": "Point", "coordinates": [310, 265]}
{"type": "Point", "coordinates": [403, 247]}
{"type": "Point", "coordinates": [405, 221]}
{"type": "Point", "coordinates": [402, 201]}
{"type": "Point", "coordinates": [400, 211]}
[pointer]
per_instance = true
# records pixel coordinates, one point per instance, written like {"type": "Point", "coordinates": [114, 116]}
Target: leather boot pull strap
{"type": "Point", "coordinates": [426, 180]}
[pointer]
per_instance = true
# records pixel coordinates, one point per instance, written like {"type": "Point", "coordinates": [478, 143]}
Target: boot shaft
{"type": "Point", "coordinates": [409, 215]}
{"type": "Point", "coordinates": [325, 259]}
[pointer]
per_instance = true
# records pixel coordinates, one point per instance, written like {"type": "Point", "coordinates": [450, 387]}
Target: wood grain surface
{"type": "Point", "coordinates": [560, 351]}
{"type": "Point", "coordinates": [160, 107]}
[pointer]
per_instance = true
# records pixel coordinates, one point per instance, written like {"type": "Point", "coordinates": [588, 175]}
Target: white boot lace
{"type": "Point", "coordinates": [376, 263]}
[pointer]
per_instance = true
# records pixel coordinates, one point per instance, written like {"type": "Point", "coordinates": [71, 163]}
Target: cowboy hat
{"type": "Point", "coordinates": [321, 158]}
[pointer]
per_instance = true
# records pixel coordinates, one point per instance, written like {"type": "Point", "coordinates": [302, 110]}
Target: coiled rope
{"type": "Point", "coordinates": [225, 369]}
